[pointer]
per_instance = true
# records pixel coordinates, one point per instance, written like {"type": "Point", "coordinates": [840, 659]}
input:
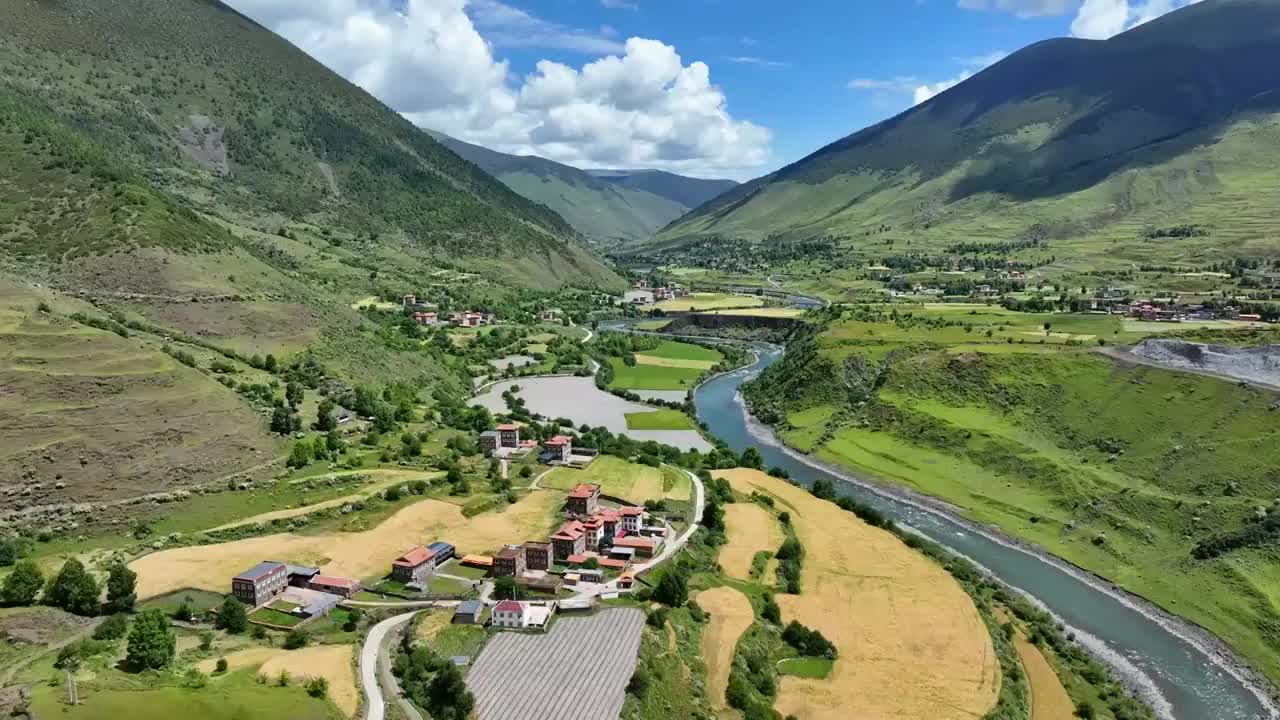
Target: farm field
{"type": "Point", "coordinates": [355, 555]}
{"type": "Point", "coordinates": [770, 312]}
{"type": "Point", "coordinates": [1049, 700]}
{"type": "Point", "coordinates": [552, 683]}
{"type": "Point", "coordinates": [806, 667]}
{"type": "Point", "coordinates": [731, 615]}
{"type": "Point", "coordinates": [666, 419]}
{"type": "Point", "coordinates": [615, 476]}
{"type": "Point", "coordinates": [235, 696]}
{"type": "Point", "coordinates": [749, 529]}
{"type": "Point", "coordinates": [884, 606]}
{"type": "Point", "coordinates": [708, 301]}
{"type": "Point", "coordinates": [652, 377]}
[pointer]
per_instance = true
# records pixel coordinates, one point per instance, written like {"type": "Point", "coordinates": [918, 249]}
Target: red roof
{"type": "Point", "coordinates": [632, 511]}
{"type": "Point", "coordinates": [559, 440]}
{"type": "Point", "coordinates": [508, 606]}
{"type": "Point", "coordinates": [635, 542]}
{"type": "Point", "coordinates": [584, 490]}
{"type": "Point", "coordinates": [576, 559]}
{"type": "Point", "coordinates": [571, 530]}
{"type": "Point", "coordinates": [414, 557]}
{"type": "Point", "coordinates": [528, 443]}
{"type": "Point", "coordinates": [508, 426]}
{"type": "Point", "coordinates": [333, 581]}
{"type": "Point", "coordinates": [613, 564]}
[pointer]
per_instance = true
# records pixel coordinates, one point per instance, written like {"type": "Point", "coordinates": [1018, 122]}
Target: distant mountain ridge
{"type": "Point", "coordinates": [1172, 122]}
{"type": "Point", "coordinates": [609, 206]}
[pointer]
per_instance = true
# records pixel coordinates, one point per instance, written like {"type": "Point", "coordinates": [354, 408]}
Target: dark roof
{"type": "Point", "coordinates": [469, 607]}
{"type": "Point", "coordinates": [302, 570]}
{"type": "Point", "coordinates": [438, 546]}
{"type": "Point", "coordinates": [263, 568]}
{"type": "Point", "coordinates": [508, 553]}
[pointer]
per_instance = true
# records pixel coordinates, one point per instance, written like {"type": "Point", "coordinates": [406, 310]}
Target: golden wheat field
{"type": "Point", "coordinates": [731, 615]}
{"type": "Point", "coordinates": [911, 642]}
{"type": "Point", "coordinates": [749, 529]}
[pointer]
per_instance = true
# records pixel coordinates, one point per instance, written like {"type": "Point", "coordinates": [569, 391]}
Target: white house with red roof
{"type": "Point", "coordinates": [632, 519]}
{"type": "Point", "coordinates": [509, 614]}
{"type": "Point", "coordinates": [559, 448]}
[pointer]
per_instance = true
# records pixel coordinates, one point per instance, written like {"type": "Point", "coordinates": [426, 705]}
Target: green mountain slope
{"type": "Point", "coordinates": [173, 166]}
{"type": "Point", "coordinates": [1083, 144]}
{"type": "Point", "coordinates": [206, 110]}
{"type": "Point", "coordinates": [608, 206]}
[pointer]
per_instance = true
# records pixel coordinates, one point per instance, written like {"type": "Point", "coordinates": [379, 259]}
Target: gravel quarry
{"type": "Point", "coordinates": [1256, 365]}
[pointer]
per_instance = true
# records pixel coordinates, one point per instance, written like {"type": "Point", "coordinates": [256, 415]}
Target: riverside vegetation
{"type": "Point", "coordinates": [1159, 481]}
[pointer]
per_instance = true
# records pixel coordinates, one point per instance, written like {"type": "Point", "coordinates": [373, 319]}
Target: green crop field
{"type": "Point", "coordinates": [684, 351]}
{"type": "Point", "coordinates": [236, 696]}
{"type": "Point", "coordinates": [805, 667]}
{"type": "Point", "coordinates": [652, 377]}
{"type": "Point", "coordinates": [709, 301]}
{"type": "Point", "coordinates": [659, 420]}
{"type": "Point", "coordinates": [615, 477]}
{"type": "Point", "coordinates": [1120, 470]}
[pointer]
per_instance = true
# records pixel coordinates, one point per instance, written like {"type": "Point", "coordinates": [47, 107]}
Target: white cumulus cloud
{"type": "Point", "coordinates": [1094, 19]}
{"type": "Point", "coordinates": [434, 61]}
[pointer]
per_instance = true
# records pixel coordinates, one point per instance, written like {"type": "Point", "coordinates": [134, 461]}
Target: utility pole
{"type": "Point", "coordinates": [72, 693]}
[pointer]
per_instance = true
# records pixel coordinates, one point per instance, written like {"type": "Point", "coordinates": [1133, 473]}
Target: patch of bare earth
{"type": "Point", "coordinates": [911, 642]}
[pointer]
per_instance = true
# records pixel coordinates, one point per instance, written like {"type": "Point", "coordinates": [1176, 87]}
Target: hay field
{"type": "Point", "coordinates": [731, 615]}
{"type": "Point", "coordinates": [749, 529]}
{"type": "Point", "coordinates": [332, 662]}
{"type": "Point", "coordinates": [911, 643]}
{"type": "Point", "coordinates": [354, 555]}
{"type": "Point", "coordinates": [1049, 699]}
{"type": "Point", "coordinates": [657, 361]}
{"type": "Point", "coordinates": [709, 301]}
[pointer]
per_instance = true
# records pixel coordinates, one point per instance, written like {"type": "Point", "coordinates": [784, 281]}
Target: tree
{"type": "Point", "coordinates": [221, 667]}
{"type": "Point", "coordinates": [751, 458]}
{"type": "Point", "coordinates": [448, 695]}
{"type": "Point", "coordinates": [293, 394]}
{"type": "Point", "coordinates": [283, 421]}
{"type": "Point", "coordinates": [300, 456]}
{"type": "Point", "coordinates": [270, 364]}
{"type": "Point", "coordinates": [121, 588]}
{"type": "Point", "coordinates": [824, 489]}
{"type": "Point", "coordinates": [505, 588]}
{"type": "Point", "coordinates": [324, 416]}
{"type": "Point", "coordinates": [673, 589]}
{"type": "Point", "coordinates": [74, 590]}
{"type": "Point", "coordinates": [151, 641]}
{"type": "Point", "coordinates": [23, 584]}
{"type": "Point", "coordinates": [232, 616]}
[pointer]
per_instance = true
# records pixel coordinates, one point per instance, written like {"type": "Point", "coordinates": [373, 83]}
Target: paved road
{"type": "Point", "coordinates": [387, 680]}
{"type": "Point", "coordinates": [375, 646]}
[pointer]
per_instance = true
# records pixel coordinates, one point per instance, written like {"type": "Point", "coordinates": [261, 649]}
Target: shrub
{"type": "Point", "coordinates": [113, 628]}
{"type": "Point", "coordinates": [657, 618]}
{"type": "Point", "coordinates": [232, 616]}
{"type": "Point", "coordinates": [672, 589]}
{"type": "Point", "coordinates": [317, 687]}
{"type": "Point", "coordinates": [151, 641]}
{"type": "Point", "coordinates": [221, 667]}
{"type": "Point", "coordinates": [808, 642]}
{"type": "Point", "coordinates": [639, 682]}
{"type": "Point", "coordinates": [295, 639]}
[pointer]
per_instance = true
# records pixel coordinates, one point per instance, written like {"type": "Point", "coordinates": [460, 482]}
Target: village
{"type": "Point", "coordinates": [591, 554]}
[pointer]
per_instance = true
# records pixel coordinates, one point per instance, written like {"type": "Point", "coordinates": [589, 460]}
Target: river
{"type": "Point", "coordinates": [1179, 679]}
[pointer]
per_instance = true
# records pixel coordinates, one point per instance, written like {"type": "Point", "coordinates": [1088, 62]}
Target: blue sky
{"type": "Point", "coordinates": [713, 88]}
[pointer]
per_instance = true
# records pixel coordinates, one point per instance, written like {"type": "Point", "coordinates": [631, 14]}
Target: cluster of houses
{"type": "Point", "coordinates": [299, 590]}
{"type": "Point", "coordinates": [426, 314]}
{"type": "Point", "coordinates": [1165, 310]}
{"type": "Point", "coordinates": [504, 442]}
{"type": "Point", "coordinates": [643, 294]}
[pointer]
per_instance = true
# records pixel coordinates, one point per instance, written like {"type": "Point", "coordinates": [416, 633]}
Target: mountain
{"type": "Point", "coordinates": [608, 206]}
{"type": "Point", "coordinates": [1087, 146]}
{"type": "Point", "coordinates": [182, 191]}
{"type": "Point", "coordinates": [201, 110]}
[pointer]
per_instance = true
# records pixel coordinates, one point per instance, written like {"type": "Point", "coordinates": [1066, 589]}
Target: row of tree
{"type": "Point", "coordinates": [73, 589]}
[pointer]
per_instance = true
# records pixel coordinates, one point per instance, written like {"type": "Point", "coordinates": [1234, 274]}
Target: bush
{"type": "Point", "coordinates": [221, 667]}
{"type": "Point", "coordinates": [295, 639]}
{"type": "Point", "coordinates": [113, 628]}
{"type": "Point", "coordinates": [771, 611]}
{"type": "Point", "coordinates": [317, 687]}
{"type": "Point", "coordinates": [672, 589]}
{"type": "Point", "coordinates": [808, 642]}
{"type": "Point", "coordinates": [639, 682]}
{"type": "Point", "coordinates": [657, 618]}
